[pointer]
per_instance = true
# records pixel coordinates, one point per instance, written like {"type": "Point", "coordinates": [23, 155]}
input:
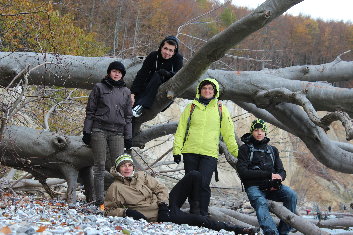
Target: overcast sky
{"type": "Point", "coordinates": [324, 9]}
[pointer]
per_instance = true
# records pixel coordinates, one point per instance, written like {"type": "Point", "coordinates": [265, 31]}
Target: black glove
{"type": "Point", "coordinates": [134, 214]}
{"type": "Point", "coordinates": [128, 144]}
{"type": "Point", "coordinates": [165, 74]}
{"type": "Point", "coordinates": [177, 158]}
{"type": "Point", "coordinates": [163, 213]}
{"type": "Point", "coordinates": [86, 138]}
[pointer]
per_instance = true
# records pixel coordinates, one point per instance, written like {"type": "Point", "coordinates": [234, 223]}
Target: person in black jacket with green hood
{"type": "Point", "coordinates": [261, 171]}
{"type": "Point", "coordinates": [158, 67]}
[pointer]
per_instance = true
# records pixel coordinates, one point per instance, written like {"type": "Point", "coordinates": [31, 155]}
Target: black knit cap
{"type": "Point", "coordinates": [118, 66]}
{"type": "Point", "coordinates": [207, 82]}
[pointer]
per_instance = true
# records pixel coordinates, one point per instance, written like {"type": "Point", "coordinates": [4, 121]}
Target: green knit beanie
{"type": "Point", "coordinates": [258, 124]}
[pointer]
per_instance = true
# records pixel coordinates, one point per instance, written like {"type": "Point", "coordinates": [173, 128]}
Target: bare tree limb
{"type": "Point", "coordinates": [344, 118]}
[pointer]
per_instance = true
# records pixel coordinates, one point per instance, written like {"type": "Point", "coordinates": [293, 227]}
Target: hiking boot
{"type": "Point", "coordinates": [137, 111]}
{"type": "Point", "coordinates": [94, 209]}
{"type": "Point", "coordinates": [101, 207]}
{"type": "Point", "coordinates": [99, 210]}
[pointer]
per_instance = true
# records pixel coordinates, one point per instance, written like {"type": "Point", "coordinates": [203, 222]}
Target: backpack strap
{"type": "Point", "coordinates": [251, 149]}
{"type": "Point", "coordinates": [216, 173]}
{"type": "Point", "coordinates": [192, 108]}
{"type": "Point", "coordinates": [219, 104]}
{"type": "Point", "coordinates": [220, 109]}
{"type": "Point", "coordinates": [272, 154]}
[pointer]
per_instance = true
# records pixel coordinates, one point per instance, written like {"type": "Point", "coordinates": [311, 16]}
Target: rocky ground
{"type": "Point", "coordinates": [33, 214]}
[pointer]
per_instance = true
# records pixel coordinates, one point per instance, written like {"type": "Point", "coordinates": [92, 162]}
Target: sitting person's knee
{"type": "Point", "coordinates": [259, 202]}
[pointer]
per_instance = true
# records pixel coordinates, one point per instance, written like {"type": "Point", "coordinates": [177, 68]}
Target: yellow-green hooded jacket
{"type": "Point", "coordinates": [204, 131]}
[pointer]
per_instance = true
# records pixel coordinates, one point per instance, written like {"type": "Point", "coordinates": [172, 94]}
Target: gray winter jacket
{"type": "Point", "coordinates": [109, 108]}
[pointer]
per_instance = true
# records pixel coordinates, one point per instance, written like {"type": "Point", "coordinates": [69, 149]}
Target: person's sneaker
{"type": "Point", "coordinates": [137, 111]}
{"type": "Point", "coordinates": [99, 210]}
{"type": "Point", "coordinates": [94, 209]}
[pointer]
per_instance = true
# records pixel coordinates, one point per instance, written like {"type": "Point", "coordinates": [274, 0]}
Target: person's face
{"type": "Point", "coordinates": [115, 74]}
{"type": "Point", "coordinates": [167, 51]}
{"type": "Point", "coordinates": [258, 134]}
{"type": "Point", "coordinates": [126, 169]}
{"type": "Point", "coordinates": [207, 91]}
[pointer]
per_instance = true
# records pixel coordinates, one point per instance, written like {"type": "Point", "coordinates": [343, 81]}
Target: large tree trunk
{"type": "Point", "coordinates": [48, 155]}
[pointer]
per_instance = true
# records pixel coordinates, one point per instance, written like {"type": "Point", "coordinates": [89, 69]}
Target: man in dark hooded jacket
{"type": "Point", "coordinates": [261, 171]}
{"type": "Point", "coordinates": [158, 67]}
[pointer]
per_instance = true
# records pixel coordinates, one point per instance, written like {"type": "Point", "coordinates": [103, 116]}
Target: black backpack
{"type": "Point", "coordinates": [269, 150]}
{"type": "Point", "coordinates": [252, 149]}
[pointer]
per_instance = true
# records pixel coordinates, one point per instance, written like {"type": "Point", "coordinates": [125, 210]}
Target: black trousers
{"type": "Point", "coordinates": [189, 186]}
{"type": "Point", "coordinates": [147, 97]}
{"type": "Point", "coordinates": [206, 165]}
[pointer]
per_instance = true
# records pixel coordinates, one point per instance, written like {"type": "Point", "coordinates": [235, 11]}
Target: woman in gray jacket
{"type": "Point", "coordinates": [107, 126]}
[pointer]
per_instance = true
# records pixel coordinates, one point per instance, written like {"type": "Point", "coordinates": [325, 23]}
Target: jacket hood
{"type": "Point", "coordinates": [120, 177]}
{"type": "Point", "coordinates": [172, 38]}
{"type": "Point", "coordinates": [111, 83]}
{"type": "Point", "coordinates": [249, 139]}
{"type": "Point", "coordinates": [214, 81]}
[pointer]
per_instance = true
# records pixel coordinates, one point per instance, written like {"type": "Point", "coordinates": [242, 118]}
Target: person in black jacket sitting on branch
{"type": "Point", "coordinates": [158, 67]}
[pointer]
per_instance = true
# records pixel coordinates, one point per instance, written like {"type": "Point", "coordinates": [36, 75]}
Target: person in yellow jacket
{"type": "Point", "coordinates": [197, 138]}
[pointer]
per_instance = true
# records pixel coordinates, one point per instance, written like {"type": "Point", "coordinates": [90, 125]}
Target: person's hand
{"type": "Point", "coordinates": [165, 74]}
{"type": "Point", "coordinates": [134, 214]}
{"type": "Point", "coordinates": [177, 158]}
{"type": "Point", "coordinates": [163, 213]}
{"type": "Point", "coordinates": [127, 144]}
{"type": "Point", "coordinates": [86, 138]}
{"type": "Point", "coordinates": [276, 177]}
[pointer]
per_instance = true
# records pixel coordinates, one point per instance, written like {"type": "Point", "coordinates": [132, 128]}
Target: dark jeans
{"type": "Point", "coordinates": [106, 147]}
{"type": "Point", "coordinates": [258, 200]}
{"type": "Point", "coordinates": [206, 165]}
{"type": "Point", "coordinates": [146, 99]}
{"type": "Point", "coordinates": [189, 186]}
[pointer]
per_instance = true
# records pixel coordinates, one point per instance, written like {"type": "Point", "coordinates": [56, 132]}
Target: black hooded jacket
{"type": "Point", "coordinates": [109, 108]}
{"type": "Point", "coordinates": [154, 62]}
{"type": "Point", "coordinates": [265, 167]}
